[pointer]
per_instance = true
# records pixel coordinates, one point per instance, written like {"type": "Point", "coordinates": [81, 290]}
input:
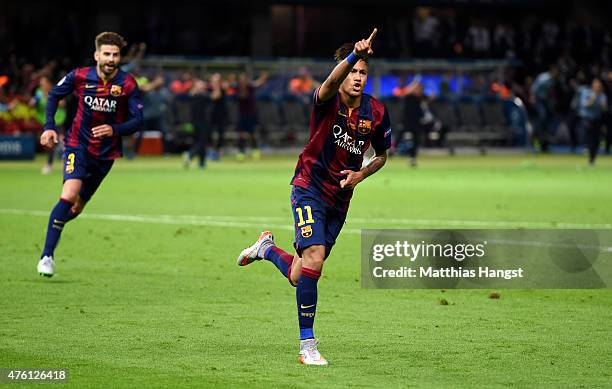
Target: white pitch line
{"type": "Point", "coordinates": [285, 223]}
{"type": "Point", "coordinates": [167, 219]}
{"type": "Point", "coordinates": [238, 222]}
{"type": "Point", "coordinates": [484, 223]}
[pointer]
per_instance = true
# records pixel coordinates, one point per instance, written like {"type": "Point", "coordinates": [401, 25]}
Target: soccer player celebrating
{"type": "Point", "coordinates": [344, 123]}
{"type": "Point", "coordinates": [109, 106]}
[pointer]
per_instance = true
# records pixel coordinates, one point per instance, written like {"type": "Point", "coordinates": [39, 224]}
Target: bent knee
{"type": "Point", "coordinates": [78, 206]}
{"type": "Point", "coordinates": [70, 191]}
{"type": "Point", "coordinates": [313, 257]}
{"type": "Point", "coordinates": [315, 263]}
{"type": "Point", "coordinates": [70, 196]}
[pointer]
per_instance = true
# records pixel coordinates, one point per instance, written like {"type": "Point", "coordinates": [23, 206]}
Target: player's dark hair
{"type": "Point", "coordinates": [343, 51]}
{"type": "Point", "coordinates": [110, 38]}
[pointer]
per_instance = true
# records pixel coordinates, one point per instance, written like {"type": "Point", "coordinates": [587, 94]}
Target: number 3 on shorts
{"type": "Point", "coordinates": [300, 213]}
{"type": "Point", "coordinates": [70, 163]}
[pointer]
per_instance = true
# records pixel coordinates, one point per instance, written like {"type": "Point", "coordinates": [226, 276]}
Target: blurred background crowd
{"type": "Point", "coordinates": [508, 73]}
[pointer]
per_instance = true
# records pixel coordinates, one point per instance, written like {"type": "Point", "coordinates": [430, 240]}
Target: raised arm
{"type": "Point", "coordinates": [262, 79]}
{"type": "Point", "coordinates": [330, 86]}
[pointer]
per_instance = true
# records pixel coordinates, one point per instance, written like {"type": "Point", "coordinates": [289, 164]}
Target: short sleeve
{"type": "Point", "coordinates": [381, 140]}
{"type": "Point", "coordinates": [318, 103]}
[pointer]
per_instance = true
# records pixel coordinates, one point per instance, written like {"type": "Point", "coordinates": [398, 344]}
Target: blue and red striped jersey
{"type": "Point", "coordinates": [116, 103]}
{"type": "Point", "coordinates": [338, 139]}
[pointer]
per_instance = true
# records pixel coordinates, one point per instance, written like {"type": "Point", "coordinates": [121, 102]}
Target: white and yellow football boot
{"type": "Point", "coordinates": [309, 354]}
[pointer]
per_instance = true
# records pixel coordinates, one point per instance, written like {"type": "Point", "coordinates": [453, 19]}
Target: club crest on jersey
{"type": "Point", "coordinates": [115, 90]}
{"type": "Point", "coordinates": [307, 231]}
{"type": "Point", "coordinates": [364, 126]}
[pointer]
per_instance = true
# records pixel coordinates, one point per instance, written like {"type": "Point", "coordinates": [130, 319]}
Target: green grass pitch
{"type": "Point", "coordinates": [147, 292]}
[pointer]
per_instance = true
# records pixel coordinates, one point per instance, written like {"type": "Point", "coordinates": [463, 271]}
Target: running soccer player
{"type": "Point", "coordinates": [344, 123]}
{"type": "Point", "coordinates": [109, 106]}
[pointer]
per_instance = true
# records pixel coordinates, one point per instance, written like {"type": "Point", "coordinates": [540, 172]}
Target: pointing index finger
{"type": "Point", "coordinates": [372, 35]}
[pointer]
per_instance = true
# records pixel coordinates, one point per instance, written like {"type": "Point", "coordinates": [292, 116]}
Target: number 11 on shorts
{"type": "Point", "coordinates": [300, 213]}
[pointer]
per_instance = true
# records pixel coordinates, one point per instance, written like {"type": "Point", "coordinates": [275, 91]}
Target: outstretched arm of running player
{"type": "Point", "coordinates": [64, 87]}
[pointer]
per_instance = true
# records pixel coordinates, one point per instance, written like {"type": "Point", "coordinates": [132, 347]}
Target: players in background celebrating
{"type": "Point", "coordinates": [109, 106]}
{"type": "Point", "coordinates": [343, 124]}
{"type": "Point", "coordinates": [592, 104]}
{"type": "Point", "coordinates": [247, 113]}
{"type": "Point", "coordinates": [39, 101]}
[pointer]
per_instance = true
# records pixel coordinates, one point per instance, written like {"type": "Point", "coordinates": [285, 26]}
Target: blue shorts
{"type": "Point", "coordinates": [316, 222]}
{"type": "Point", "coordinates": [78, 164]}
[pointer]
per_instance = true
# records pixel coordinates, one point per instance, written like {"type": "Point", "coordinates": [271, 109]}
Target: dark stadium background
{"type": "Point", "coordinates": [263, 28]}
